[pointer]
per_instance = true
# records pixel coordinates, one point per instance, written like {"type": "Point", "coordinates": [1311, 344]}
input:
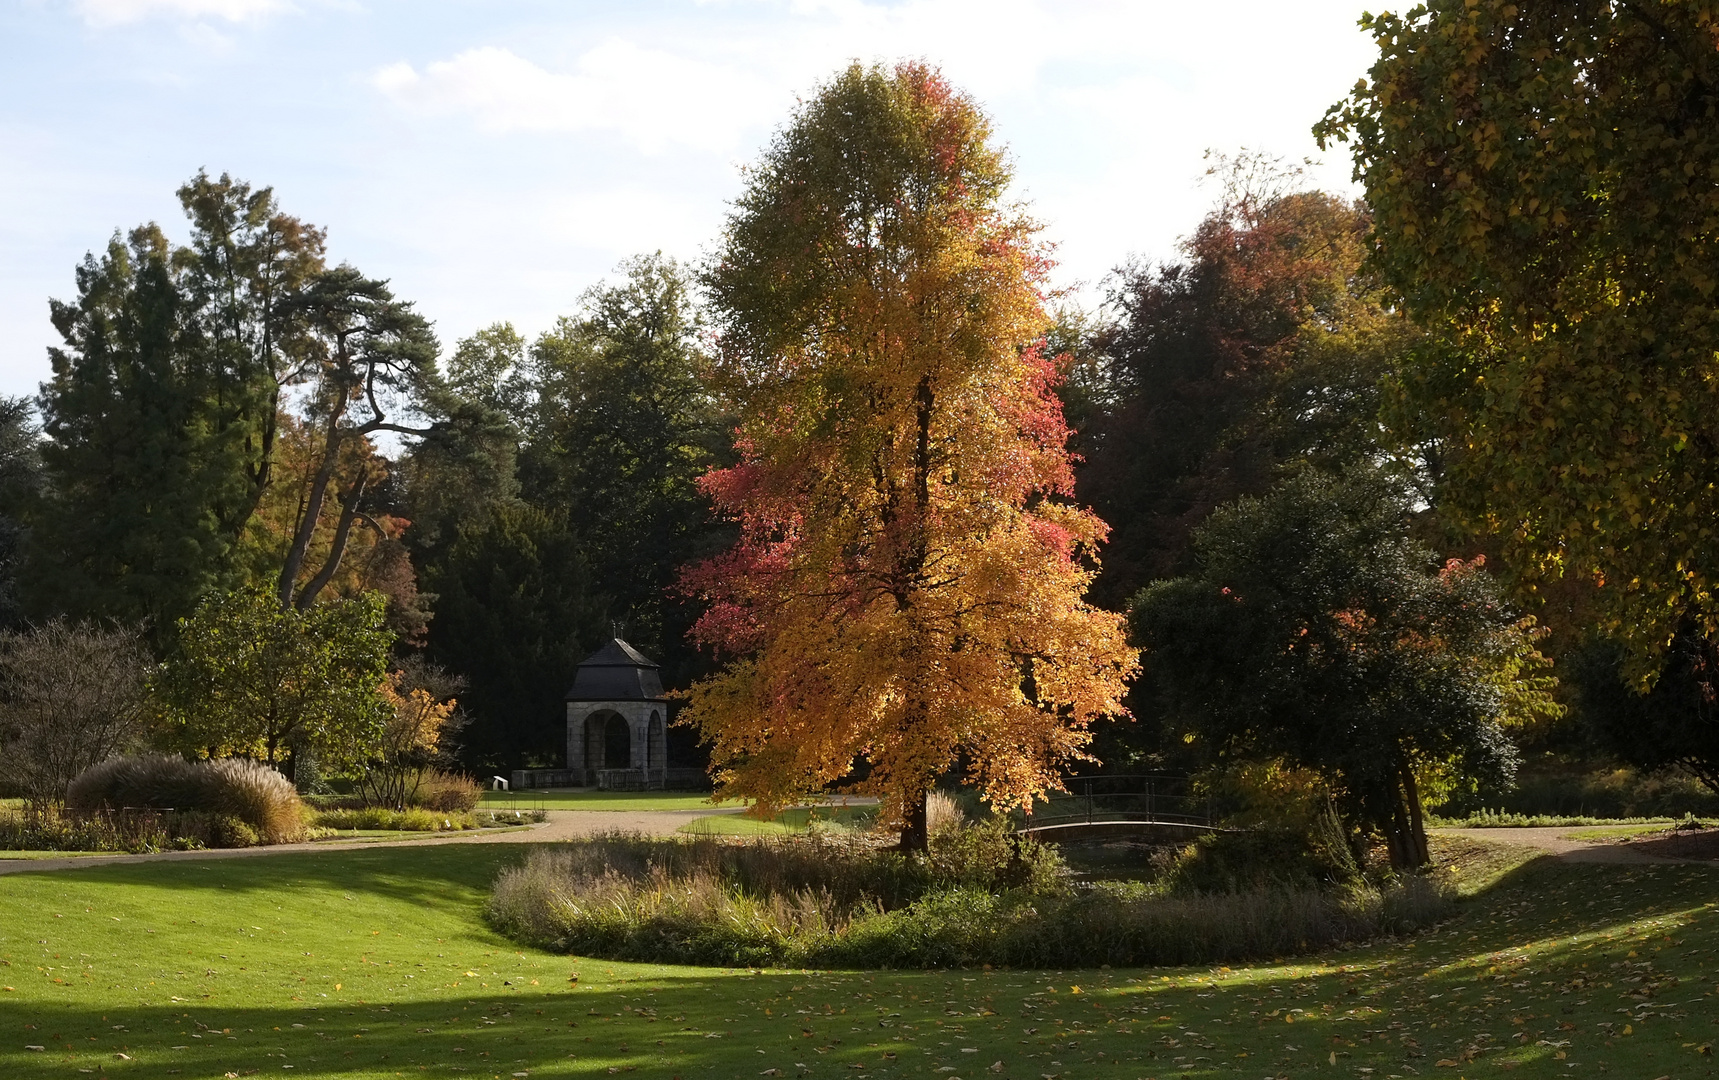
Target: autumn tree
{"type": "Point", "coordinates": [1316, 631]}
{"type": "Point", "coordinates": [1541, 178]}
{"type": "Point", "coordinates": [1259, 351]}
{"type": "Point", "coordinates": [907, 589]}
{"type": "Point", "coordinates": [422, 716]}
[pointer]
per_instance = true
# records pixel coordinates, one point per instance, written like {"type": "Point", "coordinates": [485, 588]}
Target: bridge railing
{"type": "Point", "coordinates": [1149, 798]}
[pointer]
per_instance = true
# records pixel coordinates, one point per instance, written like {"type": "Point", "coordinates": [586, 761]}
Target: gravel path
{"type": "Point", "coordinates": [573, 824]}
{"type": "Point", "coordinates": [1598, 848]}
{"type": "Point", "coordinates": [562, 825]}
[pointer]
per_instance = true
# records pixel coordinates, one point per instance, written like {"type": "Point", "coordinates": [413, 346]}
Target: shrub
{"type": "Point", "coordinates": [48, 829]}
{"type": "Point", "coordinates": [412, 819]}
{"type": "Point", "coordinates": [991, 855]}
{"type": "Point", "coordinates": [1551, 789]}
{"type": "Point", "coordinates": [1246, 860]}
{"type": "Point", "coordinates": [250, 792]}
{"type": "Point", "coordinates": [71, 695]}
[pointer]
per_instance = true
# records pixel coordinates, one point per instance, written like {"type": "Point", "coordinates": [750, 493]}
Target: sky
{"type": "Point", "coordinates": [495, 158]}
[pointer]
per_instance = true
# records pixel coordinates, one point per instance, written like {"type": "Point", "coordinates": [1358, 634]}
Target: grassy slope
{"type": "Point", "coordinates": [199, 969]}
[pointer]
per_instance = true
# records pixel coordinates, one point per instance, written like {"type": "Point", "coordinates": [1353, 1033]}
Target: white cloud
{"type": "Point", "coordinates": [652, 98]}
{"type": "Point", "coordinates": [119, 12]}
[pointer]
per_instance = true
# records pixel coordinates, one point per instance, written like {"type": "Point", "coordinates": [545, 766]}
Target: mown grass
{"type": "Point", "coordinates": [201, 968]}
{"type": "Point", "coordinates": [570, 799]}
{"type": "Point", "coordinates": [796, 819]}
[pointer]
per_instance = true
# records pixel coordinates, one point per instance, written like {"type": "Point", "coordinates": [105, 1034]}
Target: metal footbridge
{"type": "Point", "coordinates": [1151, 805]}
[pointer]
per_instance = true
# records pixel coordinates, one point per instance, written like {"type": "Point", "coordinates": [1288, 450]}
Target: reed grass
{"type": "Point", "coordinates": [237, 788]}
{"type": "Point", "coordinates": [826, 901]}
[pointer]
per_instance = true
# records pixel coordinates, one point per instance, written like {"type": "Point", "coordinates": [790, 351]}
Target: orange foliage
{"type": "Point", "coordinates": [907, 587]}
{"type": "Point", "coordinates": [374, 557]}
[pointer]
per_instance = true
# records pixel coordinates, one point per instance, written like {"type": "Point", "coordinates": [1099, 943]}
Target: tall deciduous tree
{"type": "Point", "coordinates": [907, 589]}
{"type": "Point", "coordinates": [1541, 174]}
{"type": "Point", "coordinates": [1261, 350]}
{"type": "Point", "coordinates": [1317, 631]}
{"type": "Point", "coordinates": [246, 259]}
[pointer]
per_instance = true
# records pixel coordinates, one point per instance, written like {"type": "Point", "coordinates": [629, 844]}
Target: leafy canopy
{"type": "Point", "coordinates": [1542, 180]}
{"type": "Point", "coordinates": [1260, 350]}
{"type": "Point", "coordinates": [1318, 632]}
{"type": "Point", "coordinates": [907, 587]}
{"type": "Point", "coordinates": [251, 677]}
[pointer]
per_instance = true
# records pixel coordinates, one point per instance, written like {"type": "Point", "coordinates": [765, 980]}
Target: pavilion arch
{"type": "Point", "coordinates": [616, 712]}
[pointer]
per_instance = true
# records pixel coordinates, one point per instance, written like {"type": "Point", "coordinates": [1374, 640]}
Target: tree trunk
{"type": "Point", "coordinates": [1417, 822]}
{"type": "Point", "coordinates": [312, 507]}
{"type": "Point", "coordinates": [1406, 835]}
{"type": "Point", "coordinates": [915, 833]}
{"type": "Point", "coordinates": [337, 548]}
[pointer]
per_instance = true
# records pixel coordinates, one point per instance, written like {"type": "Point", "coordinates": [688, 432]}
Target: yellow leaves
{"type": "Point", "coordinates": [418, 718]}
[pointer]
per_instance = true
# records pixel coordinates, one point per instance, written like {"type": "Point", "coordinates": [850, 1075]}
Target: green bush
{"type": "Point", "coordinates": [248, 791]}
{"type": "Point", "coordinates": [412, 819]}
{"type": "Point", "coordinates": [1247, 860]}
{"type": "Point", "coordinates": [991, 855]}
{"type": "Point", "coordinates": [1551, 789]}
{"type": "Point", "coordinates": [47, 829]}
{"type": "Point", "coordinates": [1124, 924]}
{"type": "Point", "coordinates": [1494, 819]}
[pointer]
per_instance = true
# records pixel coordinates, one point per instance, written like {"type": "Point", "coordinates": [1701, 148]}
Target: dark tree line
{"type": "Point", "coordinates": [235, 413]}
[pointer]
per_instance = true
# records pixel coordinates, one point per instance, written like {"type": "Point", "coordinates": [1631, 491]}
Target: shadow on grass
{"type": "Point", "coordinates": [642, 1027]}
{"type": "Point", "coordinates": [411, 874]}
{"type": "Point", "coordinates": [1552, 959]}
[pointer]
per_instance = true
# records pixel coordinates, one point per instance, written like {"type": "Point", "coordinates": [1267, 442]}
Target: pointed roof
{"type": "Point", "coordinates": [617, 672]}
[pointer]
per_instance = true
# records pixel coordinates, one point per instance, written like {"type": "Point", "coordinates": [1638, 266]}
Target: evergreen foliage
{"type": "Point", "coordinates": [1316, 631]}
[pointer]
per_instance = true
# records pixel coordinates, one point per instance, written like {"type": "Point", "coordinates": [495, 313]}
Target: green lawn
{"type": "Point", "coordinates": [794, 820]}
{"type": "Point", "coordinates": [375, 963]}
{"type": "Point", "coordinates": [565, 799]}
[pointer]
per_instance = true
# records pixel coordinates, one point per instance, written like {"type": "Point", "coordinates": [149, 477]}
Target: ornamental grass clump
{"type": "Point", "coordinates": [826, 901]}
{"type": "Point", "coordinates": [230, 791]}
